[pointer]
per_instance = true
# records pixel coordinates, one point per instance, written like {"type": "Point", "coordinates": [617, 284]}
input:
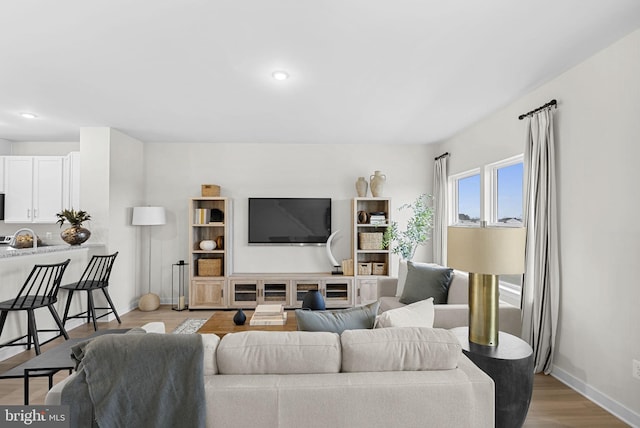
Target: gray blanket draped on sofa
{"type": "Point", "coordinates": [138, 380]}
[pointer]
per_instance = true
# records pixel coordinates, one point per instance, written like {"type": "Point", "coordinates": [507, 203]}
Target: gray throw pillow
{"type": "Point", "coordinates": [426, 280]}
{"type": "Point", "coordinates": [337, 321]}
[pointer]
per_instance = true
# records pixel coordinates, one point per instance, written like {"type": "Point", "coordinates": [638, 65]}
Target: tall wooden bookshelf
{"type": "Point", "coordinates": [370, 217]}
{"type": "Point", "coordinates": [210, 219]}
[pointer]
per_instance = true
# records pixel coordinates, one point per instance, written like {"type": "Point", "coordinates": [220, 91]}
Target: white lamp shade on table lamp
{"type": "Point", "coordinates": [149, 216]}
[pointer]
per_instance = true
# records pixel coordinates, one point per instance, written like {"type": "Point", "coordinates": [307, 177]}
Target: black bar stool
{"type": "Point", "coordinates": [94, 277]}
{"type": "Point", "coordinates": [39, 290]}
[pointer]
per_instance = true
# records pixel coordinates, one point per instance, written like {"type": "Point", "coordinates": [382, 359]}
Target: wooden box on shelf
{"type": "Point", "coordinates": [364, 268]}
{"type": "Point", "coordinates": [378, 268]}
{"type": "Point", "coordinates": [347, 267]}
{"type": "Point", "coordinates": [209, 267]}
{"type": "Point", "coordinates": [210, 190]}
{"type": "Point", "coordinates": [370, 240]}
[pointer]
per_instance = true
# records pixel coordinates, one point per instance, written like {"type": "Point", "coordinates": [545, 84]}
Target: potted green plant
{"type": "Point", "coordinates": [76, 234]}
{"type": "Point", "coordinates": [417, 232]}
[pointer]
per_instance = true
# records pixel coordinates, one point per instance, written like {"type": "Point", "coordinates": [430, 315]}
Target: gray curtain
{"type": "Point", "coordinates": [440, 211]}
{"type": "Point", "coordinates": [540, 288]}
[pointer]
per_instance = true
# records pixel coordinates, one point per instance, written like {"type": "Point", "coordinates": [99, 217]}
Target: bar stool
{"type": "Point", "coordinates": [39, 290]}
{"type": "Point", "coordinates": [95, 277]}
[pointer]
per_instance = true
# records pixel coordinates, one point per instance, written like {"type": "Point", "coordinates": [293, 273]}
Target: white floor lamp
{"type": "Point", "coordinates": [149, 216]}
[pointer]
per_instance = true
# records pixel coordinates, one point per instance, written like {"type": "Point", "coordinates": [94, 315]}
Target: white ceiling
{"type": "Point", "coordinates": [362, 71]}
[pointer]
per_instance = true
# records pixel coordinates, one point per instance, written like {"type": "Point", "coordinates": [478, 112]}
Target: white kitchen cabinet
{"type": "Point", "coordinates": [33, 188]}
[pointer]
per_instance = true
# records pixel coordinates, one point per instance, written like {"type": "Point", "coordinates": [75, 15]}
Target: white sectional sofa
{"type": "Point", "coordinates": [456, 312]}
{"type": "Point", "coordinates": [395, 377]}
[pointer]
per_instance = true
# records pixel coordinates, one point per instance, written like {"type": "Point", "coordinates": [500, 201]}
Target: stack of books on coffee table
{"type": "Point", "coordinates": [269, 315]}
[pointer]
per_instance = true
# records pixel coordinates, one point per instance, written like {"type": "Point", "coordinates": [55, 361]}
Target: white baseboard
{"type": "Point", "coordinates": [627, 415]}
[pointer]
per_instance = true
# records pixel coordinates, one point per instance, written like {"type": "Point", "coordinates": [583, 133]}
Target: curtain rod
{"type": "Point", "coordinates": [552, 103]}
{"type": "Point", "coordinates": [441, 156]}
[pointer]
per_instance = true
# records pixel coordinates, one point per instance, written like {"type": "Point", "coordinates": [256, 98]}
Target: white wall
{"type": "Point", "coordinates": [175, 171]}
{"type": "Point", "coordinates": [5, 147]}
{"type": "Point", "coordinates": [112, 178]}
{"type": "Point", "coordinates": [126, 190]}
{"type": "Point", "coordinates": [597, 141]}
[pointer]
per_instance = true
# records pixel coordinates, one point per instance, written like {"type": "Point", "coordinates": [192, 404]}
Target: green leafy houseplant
{"type": "Point", "coordinates": [75, 218]}
{"type": "Point", "coordinates": [417, 232]}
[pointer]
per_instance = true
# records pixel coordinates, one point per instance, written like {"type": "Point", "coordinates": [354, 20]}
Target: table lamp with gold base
{"type": "Point", "coordinates": [486, 253]}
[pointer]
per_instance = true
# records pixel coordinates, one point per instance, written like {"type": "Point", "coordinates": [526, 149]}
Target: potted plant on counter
{"type": "Point", "coordinates": [76, 234]}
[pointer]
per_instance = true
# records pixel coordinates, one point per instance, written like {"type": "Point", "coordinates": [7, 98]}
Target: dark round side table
{"type": "Point", "coordinates": [510, 365]}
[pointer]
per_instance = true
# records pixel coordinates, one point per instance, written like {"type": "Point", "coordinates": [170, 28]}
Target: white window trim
{"type": "Point", "coordinates": [453, 194]}
{"type": "Point", "coordinates": [490, 190]}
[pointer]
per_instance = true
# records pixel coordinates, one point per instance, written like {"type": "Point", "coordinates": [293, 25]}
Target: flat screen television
{"type": "Point", "coordinates": [289, 221]}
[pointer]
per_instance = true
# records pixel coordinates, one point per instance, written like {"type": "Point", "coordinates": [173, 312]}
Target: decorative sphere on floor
{"type": "Point", "coordinates": [149, 302]}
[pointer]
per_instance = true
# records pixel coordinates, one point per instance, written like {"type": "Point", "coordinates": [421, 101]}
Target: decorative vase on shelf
{"type": "Point", "coordinates": [207, 245]}
{"type": "Point", "coordinates": [361, 187]}
{"type": "Point", "coordinates": [75, 235]}
{"type": "Point", "coordinates": [220, 242]}
{"type": "Point", "coordinates": [377, 181]}
{"type": "Point", "coordinates": [239, 318]}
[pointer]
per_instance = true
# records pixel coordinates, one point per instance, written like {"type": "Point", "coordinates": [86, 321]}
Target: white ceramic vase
{"type": "Point", "coordinates": [377, 181]}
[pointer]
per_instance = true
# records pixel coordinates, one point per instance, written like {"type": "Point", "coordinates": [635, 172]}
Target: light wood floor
{"type": "Point", "coordinates": [553, 404]}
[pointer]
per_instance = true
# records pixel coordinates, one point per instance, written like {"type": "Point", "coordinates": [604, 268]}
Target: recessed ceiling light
{"type": "Point", "coordinates": [28, 115]}
{"type": "Point", "coordinates": [280, 75]}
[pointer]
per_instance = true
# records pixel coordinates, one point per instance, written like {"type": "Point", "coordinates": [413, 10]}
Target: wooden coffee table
{"type": "Point", "coordinates": [222, 323]}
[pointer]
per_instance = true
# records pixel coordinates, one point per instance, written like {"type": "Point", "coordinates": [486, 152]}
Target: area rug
{"type": "Point", "coordinates": [188, 326]}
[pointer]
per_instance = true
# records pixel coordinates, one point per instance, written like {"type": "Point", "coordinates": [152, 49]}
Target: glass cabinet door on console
{"type": "Point", "coordinates": [300, 288]}
{"type": "Point", "coordinates": [244, 293]}
{"type": "Point", "coordinates": [247, 293]}
{"type": "Point", "coordinates": [337, 293]}
{"type": "Point", "coordinates": [275, 292]}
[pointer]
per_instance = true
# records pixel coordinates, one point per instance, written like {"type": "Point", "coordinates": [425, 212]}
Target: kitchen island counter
{"type": "Point", "coordinates": [7, 251]}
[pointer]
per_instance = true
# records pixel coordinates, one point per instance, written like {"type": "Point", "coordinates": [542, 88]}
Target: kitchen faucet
{"type": "Point", "coordinates": [12, 243]}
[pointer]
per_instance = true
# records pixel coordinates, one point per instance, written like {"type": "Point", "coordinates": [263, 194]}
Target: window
{"type": "Point", "coordinates": [504, 192]}
{"type": "Point", "coordinates": [466, 196]}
